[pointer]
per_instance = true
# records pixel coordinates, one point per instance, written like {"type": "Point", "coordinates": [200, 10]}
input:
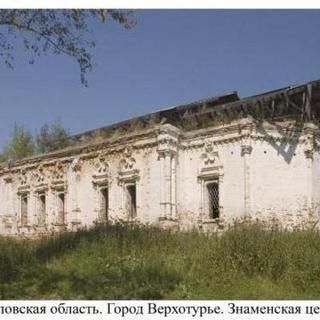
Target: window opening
{"type": "Point", "coordinates": [131, 200]}
{"type": "Point", "coordinates": [61, 208]}
{"type": "Point", "coordinates": [213, 200]}
{"type": "Point", "coordinates": [42, 209]}
{"type": "Point", "coordinates": [104, 204]}
{"type": "Point", "coordinates": [24, 210]}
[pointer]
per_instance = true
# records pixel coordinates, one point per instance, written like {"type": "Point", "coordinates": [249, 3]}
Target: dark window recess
{"type": "Point", "coordinates": [104, 204]}
{"type": "Point", "coordinates": [213, 200]}
{"type": "Point", "coordinates": [132, 200]}
{"type": "Point", "coordinates": [42, 210]}
{"type": "Point", "coordinates": [24, 210]}
{"type": "Point", "coordinates": [61, 208]}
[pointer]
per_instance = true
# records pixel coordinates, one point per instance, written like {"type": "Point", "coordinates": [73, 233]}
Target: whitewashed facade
{"type": "Point", "coordinates": [244, 165]}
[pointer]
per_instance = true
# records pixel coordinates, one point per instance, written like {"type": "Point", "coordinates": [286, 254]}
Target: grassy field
{"type": "Point", "coordinates": [130, 262]}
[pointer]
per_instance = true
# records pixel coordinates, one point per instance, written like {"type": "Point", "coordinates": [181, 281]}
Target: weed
{"type": "Point", "coordinates": [134, 262]}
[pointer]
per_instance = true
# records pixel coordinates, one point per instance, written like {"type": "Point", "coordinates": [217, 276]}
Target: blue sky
{"type": "Point", "coordinates": [171, 57]}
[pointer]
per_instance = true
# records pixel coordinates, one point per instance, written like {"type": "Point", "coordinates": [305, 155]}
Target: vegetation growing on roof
{"type": "Point", "coordinates": [127, 127]}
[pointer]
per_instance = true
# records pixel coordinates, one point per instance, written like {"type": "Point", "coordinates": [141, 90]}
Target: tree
{"type": "Point", "coordinates": [20, 146]}
{"type": "Point", "coordinates": [56, 31]}
{"type": "Point", "coordinates": [51, 138]}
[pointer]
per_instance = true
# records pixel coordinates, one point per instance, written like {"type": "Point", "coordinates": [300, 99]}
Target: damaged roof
{"type": "Point", "coordinates": [302, 99]}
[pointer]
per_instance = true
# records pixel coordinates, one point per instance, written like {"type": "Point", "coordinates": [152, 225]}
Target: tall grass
{"type": "Point", "coordinates": [134, 262]}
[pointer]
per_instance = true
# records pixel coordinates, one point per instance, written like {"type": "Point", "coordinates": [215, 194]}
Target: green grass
{"type": "Point", "coordinates": [131, 262]}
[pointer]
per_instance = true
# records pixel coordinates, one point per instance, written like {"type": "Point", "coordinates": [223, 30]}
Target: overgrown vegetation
{"type": "Point", "coordinates": [51, 138]}
{"type": "Point", "coordinates": [131, 262]}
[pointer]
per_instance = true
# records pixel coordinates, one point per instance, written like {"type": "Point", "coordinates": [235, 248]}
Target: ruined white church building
{"type": "Point", "coordinates": [204, 165]}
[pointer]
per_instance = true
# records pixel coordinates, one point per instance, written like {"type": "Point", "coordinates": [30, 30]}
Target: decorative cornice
{"type": "Point", "coordinates": [103, 180]}
{"type": "Point", "coordinates": [127, 176]}
{"type": "Point", "coordinates": [59, 185]}
{"type": "Point", "coordinates": [212, 172]}
{"type": "Point", "coordinates": [139, 141]}
{"type": "Point", "coordinates": [168, 139]}
{"type": "Point", "coordinates": [23, 190]}
{"type": "Point", "coordinates": [290, 134]}
{"type": "Point", "coordinates": [42, 187]}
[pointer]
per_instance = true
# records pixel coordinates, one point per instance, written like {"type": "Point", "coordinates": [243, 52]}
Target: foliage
{"type": "Point", "coordinates": [56, 31]}
{"type": "Point", "coordinates": [51, 138]}
{"type": "Point", "coordinates": [20, 146]}
{"type": "Point", "coordinates": [131, 262]}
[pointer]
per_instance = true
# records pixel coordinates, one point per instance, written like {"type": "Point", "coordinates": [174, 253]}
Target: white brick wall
{"type": "Point", "coordinates": [262, 172]}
